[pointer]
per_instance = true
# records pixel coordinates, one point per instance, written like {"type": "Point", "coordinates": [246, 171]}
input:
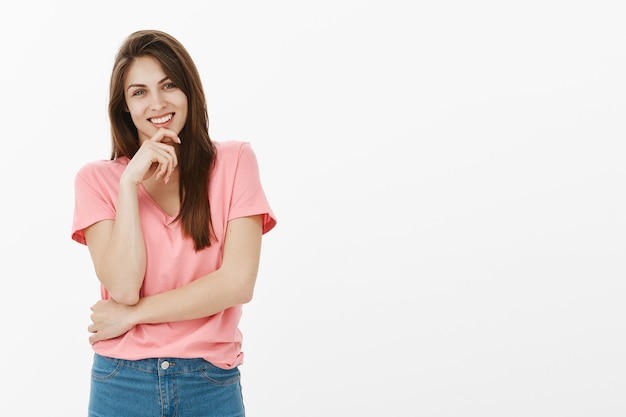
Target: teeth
{"type": "Point", "coordinates": [160, 120]}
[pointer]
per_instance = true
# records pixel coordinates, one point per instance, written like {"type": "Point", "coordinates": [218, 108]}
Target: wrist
{"type": "Point", "coordinates": [134, 314]}
{"type": "Point", "coordinates": [128, 183]}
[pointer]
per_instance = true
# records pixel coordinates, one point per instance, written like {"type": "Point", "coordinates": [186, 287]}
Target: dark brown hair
{"type": "Point", "coordinates": [197, 152]}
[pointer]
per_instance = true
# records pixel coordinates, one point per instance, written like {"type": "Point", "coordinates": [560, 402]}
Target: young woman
{"type": "Point", "coordinates": [173, 222]}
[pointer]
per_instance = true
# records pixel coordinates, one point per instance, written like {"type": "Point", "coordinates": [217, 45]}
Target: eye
{"type": "Point", "coordinates": [169, 86]}
{"type": "Point", "coordinates": [138, 92]}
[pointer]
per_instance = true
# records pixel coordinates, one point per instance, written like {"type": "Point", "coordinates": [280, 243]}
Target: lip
{"type": "Point", "coordinates": [167, 117]}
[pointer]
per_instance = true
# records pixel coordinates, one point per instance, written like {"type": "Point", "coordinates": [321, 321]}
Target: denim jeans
{"type": "Point", "coordinates": [163, 387]}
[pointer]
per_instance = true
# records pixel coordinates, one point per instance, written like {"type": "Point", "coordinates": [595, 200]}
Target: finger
{"type": "Point", "coordinates": [165, 135]}
{"type": "Point", "coordinates": [166, 161]}
{"type": "Point", "coordinates": [96, 304]}
{"type": "Point", "coordinates": [161, 170]}
{"type": "Point", "coordinates": [164, 169]}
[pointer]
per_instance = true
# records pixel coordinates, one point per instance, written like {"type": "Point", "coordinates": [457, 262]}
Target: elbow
{"type": "Point", "coordinates": [125, 292]}
{"type": "Point", "coordinates": [244, 290]}
{"type": "Point", "coordinates": [245, 296]}
{"type": "Point", "coordinates": [128, 299]}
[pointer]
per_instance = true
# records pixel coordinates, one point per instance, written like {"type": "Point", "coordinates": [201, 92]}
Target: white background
{"type": "Point", "coordinates": [448, 180]}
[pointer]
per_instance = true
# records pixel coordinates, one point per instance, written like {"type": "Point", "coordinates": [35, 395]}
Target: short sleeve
{"type": "Point", "coordinates": [248, 196]}
{"type": "Point", "coordinates": [93, 201]}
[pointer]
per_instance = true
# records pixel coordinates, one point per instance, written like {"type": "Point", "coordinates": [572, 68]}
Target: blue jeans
{"type": "Point", "coordinates": [163, 387]}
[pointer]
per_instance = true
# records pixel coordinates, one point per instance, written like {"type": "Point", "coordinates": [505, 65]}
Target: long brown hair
{"type": "Point", "coordinates": [197, 152]}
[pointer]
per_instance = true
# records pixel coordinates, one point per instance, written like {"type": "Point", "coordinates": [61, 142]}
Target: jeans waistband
{"type": "Point", "coordinates": [156, 365]}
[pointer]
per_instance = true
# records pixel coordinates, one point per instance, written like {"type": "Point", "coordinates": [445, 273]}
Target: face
{"type": "Point", "coordinates": [153, 100]}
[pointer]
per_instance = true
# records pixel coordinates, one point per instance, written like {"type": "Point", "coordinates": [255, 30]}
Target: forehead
{"type": "Point", "coordinates": [144, 70]}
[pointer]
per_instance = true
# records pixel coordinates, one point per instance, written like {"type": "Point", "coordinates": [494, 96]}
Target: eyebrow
{"type": "Point", "coordinates": [143, 85]}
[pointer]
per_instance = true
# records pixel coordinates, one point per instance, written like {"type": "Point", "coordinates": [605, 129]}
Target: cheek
{"type": "Point", "coordinates": [183, 111]}
{"type": "Point", "coordinates": [135, 113]}
{"type": "Point", "coordinates": [181, 101]}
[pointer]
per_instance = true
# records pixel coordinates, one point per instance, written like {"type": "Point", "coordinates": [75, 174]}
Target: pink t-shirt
{"type": "Point", "coordinates": [234, 191]}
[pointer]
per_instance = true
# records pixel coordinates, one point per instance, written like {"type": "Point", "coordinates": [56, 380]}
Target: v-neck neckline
{"type": "Point", "coordinates": [168, 216]}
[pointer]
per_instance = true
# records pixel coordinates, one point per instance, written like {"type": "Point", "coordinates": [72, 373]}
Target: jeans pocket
{"type": "Point", "coordinates": [220, 376]}
{"type": "Point", "coordinates": [104, 368]}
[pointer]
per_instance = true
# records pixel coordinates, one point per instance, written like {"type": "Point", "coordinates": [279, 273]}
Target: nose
{"type": "Point", "coordinates": [157, 102]}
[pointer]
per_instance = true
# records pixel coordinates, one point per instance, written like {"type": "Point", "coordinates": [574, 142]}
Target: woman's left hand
{"type": "Point", "coordinates": [109, 319]}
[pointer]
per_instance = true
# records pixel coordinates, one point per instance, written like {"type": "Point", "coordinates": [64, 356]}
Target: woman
{"type": "Point", "coordinates": [173, 222]}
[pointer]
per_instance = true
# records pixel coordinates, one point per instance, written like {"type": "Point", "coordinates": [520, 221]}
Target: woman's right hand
{"type": "Point", "coordinates": [156, 158]}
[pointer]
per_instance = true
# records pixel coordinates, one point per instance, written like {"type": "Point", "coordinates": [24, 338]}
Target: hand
{"type": "Point", "coordinates": [156, 158]}
{"type": "Point", "coordinates": [110, 319]}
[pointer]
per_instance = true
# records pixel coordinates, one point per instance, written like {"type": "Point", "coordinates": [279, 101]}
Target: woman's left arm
{"type": "Point", "coordinates": [232, 284]}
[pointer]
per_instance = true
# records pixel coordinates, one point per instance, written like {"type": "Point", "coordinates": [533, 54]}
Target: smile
{"type": "Point", "coordinates": [163, 119]}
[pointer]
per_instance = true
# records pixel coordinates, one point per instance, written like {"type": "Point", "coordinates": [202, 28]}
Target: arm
{"type": "Point", "coordinates": [232, 284]}
{"type": "Point", "coordinates": [117, 247]}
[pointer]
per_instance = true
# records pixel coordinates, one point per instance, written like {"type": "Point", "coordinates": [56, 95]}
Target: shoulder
{"type": "Point", "coordinates": [232, 148]}
{"type": "Point", "coordinates": [233, 153]}
{"type": "Point", "coordinates": [103, 165]}
{"type": "Point", "coordinates": [102, 170]}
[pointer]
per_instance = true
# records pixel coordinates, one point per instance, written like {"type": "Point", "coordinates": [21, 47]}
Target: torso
{"type": "Point", "coordinates": [165, 195]}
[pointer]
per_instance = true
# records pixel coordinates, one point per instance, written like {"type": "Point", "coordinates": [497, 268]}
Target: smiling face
{"type": "Point", "coordinates": [152, 99]}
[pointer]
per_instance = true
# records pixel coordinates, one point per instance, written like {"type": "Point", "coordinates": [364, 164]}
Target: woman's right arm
{"type": "Point", "coordinates": [117, 248]}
